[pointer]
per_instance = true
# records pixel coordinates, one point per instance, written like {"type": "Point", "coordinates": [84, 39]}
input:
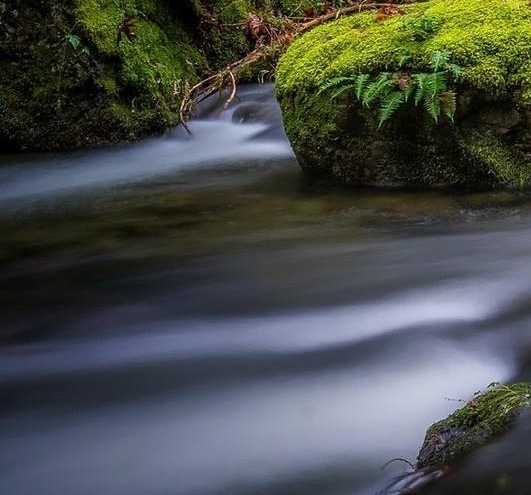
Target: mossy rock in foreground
{"type": "Point", "coordinates": [487, 146]}
{"type": "Point", "coordinates": [483, 418]}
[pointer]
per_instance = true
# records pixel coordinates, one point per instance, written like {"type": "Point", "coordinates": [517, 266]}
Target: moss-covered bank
{"type": "Point", "coordinates": [79, 73]}
{"type": "Point", "coordinates": [489, 145]}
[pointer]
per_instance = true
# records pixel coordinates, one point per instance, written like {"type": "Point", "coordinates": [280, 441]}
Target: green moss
{"type": "Point", "coordinates": [488, 38]}
{"type": "Point", "coordinates": [488, 151]}
{"type": "Point", "coordinates": [487, 415]}
{"type": "Point", "coordinates": [160, 55]}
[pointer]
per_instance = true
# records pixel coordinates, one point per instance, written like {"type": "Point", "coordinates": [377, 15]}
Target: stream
{"type": "Point", "coordinates": [189, 315]}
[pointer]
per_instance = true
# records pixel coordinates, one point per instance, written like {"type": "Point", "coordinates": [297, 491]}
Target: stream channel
{"type": "Point", "coordinates": [189, 315]}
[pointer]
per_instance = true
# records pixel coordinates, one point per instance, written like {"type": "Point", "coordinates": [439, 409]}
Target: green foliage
{"type": "Point", "coordinates": [391, 90]}
{"type": "Point", "coordinates": [421, 27]}
{"type": "Point", "coordinates": [376, 89]}
{"type": "Point", "coordinates": [488, 39]}
{"type": "Point", "coordinates": [507, 164]}
{"type": "Point", "coordinates": [389, 104]}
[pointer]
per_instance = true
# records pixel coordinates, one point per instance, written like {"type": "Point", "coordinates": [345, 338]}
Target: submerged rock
{"type": "Point", "coordinates": [470, 129]}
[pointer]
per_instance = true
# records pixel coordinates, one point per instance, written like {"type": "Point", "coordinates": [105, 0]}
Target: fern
{"type": "Point", "coordinates": [390, 90]}
{"type": "Point", "coordinates": [335, 82]}
{"type": "Point", "coordinates": [455, 70]}
{"type": "Point", "coordinates": [389, 105]}
{"type": "Point", "coordinates": [420, 82]}
{"type": "Point", "coordinates": [408, 91]}
{"type": "Point", "coordinates": [341, 90]}
{"type": "Point", "coordinates": [439, 60]}
{"type": "Point", "coordinates": [404, 59]}
{"type": "Point", "coordinates": [435, 83]}
{"type": "Point", "coordinates": [361, 84]}
{"type": "Point", "coordinates": [376, 90]}
{"type": "Point", "coordinates": [432, 104]}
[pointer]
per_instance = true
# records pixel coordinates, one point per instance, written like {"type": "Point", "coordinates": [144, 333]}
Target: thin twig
{"type": "Point", "coordinates": [233, 93]}
{"type": "Point", "coordinates": [398, 459]}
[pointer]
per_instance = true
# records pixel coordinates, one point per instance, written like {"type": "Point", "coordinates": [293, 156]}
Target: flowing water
{"type": "Point", "coordinates": [191, 316]}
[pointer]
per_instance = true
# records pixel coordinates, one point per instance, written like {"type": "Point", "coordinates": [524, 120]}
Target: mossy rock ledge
{"type": "Point", "coordinates": [488, 144]}
{"type": "Point", "coordinates": [486, 416]}
{"type": "Point", "coordinates": [83, 73]}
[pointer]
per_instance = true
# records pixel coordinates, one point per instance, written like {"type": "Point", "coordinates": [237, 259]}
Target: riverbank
{"type": "Point", "coordinates": [80, 74]}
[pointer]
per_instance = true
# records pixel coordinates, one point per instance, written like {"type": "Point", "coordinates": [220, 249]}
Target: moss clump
{"type": "Point", "coordinates": [487, 415]}
{"type": "Point", "coordinates": [148, 67]}
{"type": "Point", "coordinates": [508, 167]}
{"type": "Point", "coordinates": [488, 39]}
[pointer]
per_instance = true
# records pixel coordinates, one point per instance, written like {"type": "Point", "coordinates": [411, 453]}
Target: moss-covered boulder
{"type": "Point", "coordinates": [483, 418]}
{"type": "Point", "coordinates": [485, 141]}
{"type": "Point", "coordinates": [85, 72]}
{"type": "Point", "coordinates": [78, 73]}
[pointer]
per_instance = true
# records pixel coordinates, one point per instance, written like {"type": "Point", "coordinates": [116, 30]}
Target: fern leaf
{"type": "Point", "coordinates": [341, 90]}
{"type": "Point", "coordinates": [435, 83]}
{"type": "Point", "coordinates": [403, 60]}
{"type": "Point", "coordinates": [439, 60]}
{"type": "Point", "coordinates": [361, 84]}
{"type": "Point", "coordinates": [456, 70]}
{"type": "Point", "coordinates": [389, 105]}
{"type": "Point", "coordinates": [376, 89]}
{"type": "Point", "coordinates": [408, 91]}
{"type": "Point", "coordinates": [420, 84]}
{"type": "Point", "coordinates": [335, 82]}
{"type": "Point", "coordinates": [432, 106]}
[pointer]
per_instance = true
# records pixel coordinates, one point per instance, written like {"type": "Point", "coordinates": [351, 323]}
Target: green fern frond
{"type": "Point", "coordinates": [335, 82]}
{"type": "Point", "coordinates": [403, 60]}
{"type": "Point", "coordinates": [434, 83]}
{"type": "Point", "coordinates": [376, 90]}
{"type": "Point", "coordinates": [341, 90]}
{"type": "Point", "coordinates": [361, 84]}
{"type": "Point", "coordinates": [433, 107]}
{"type": "Point", "coordinates": [408, 91]}
{"type": "Point", "coordinates": [389, 105]}
{"type": "Point", "coordinates": [456, 70]}
{"type": "Point", "coordinates": [390, 90]}
{"type": "Point", "coordinates": [439, 60]}
{"type": "Point", "coordinates": [420, 86]}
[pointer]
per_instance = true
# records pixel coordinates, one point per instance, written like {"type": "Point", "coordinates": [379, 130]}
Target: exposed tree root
{"type": "Point", "coordinates": [268, 41]}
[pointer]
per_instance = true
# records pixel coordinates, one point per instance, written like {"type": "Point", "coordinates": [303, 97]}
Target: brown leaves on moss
{"type": "Point", "coordinates": [387, 11]}
{"type": "Point", "coordinates": [259, 31]}
{"type": "Point", "coordinates": [127, 29]}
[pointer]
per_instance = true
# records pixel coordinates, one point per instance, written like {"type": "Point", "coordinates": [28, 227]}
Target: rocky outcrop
{"type": "Point", "coordinates": [472, 132]}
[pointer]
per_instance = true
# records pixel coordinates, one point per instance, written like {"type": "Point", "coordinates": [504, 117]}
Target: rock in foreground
{"type": "Point", "coordinates": [486, 416]}
{"type": "Point", "coordinates": [479, 421]}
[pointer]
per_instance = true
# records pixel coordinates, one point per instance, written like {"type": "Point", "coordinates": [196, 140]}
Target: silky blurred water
{"type": "Point", "coordinates": [189, 315]}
